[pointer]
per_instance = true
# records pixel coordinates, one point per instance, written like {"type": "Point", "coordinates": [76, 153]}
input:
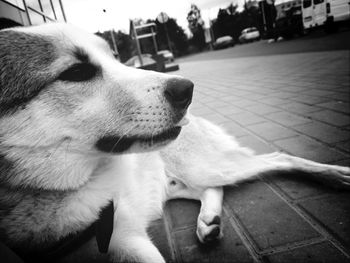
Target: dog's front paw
{"type": "Point", "coordinates": [209, 228]}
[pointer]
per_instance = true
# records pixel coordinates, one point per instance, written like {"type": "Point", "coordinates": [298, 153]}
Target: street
{"type": "Point", "coordinates": [315, 41]}
{"type": "Point", "coordinates": [298, 102]}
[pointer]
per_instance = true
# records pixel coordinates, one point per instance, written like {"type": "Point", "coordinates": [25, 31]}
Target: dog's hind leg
{"type": "Point", "coordinates": [248, 167]}
{"type": "Point", "coordinates": [208, 224]}
{"type": "Point", "coordinates": [333, 175]}
{"type": "Point", "coordinates": [207, 187]}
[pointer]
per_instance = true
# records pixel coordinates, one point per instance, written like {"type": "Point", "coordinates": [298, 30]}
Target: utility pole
{"type": "Point", "coordinates": [163, 19]}
{"type": "Point", "coordinates": [134, 33]}
{"type": "Point", "coordinates": [111, 31]}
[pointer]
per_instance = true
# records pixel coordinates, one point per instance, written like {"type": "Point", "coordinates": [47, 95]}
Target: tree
{"type": "Point", "coordinates": [196, 26]}
{"type": "Point", "coordinates": [126, 46]}
{"type": "Point", "coordinates": [177, 36]}
{"type": "Point", "coordinates": [231, 22]}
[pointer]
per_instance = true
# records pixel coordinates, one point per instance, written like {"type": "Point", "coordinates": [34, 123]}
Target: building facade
{"type": "Point", "coordinates": [30, 12]}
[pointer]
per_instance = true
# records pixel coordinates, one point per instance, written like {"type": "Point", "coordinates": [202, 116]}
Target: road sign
{"type": "Point", "coordinates": [162, 18]}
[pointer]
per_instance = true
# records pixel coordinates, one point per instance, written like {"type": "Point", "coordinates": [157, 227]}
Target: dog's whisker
{"type": "Point", "coordinates": [123, 136]}
{"type": "Point", "coordinates": [152, 139]}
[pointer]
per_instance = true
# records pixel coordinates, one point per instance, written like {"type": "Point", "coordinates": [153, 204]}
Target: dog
{"type": "Point", "coordinates": [83, 136]}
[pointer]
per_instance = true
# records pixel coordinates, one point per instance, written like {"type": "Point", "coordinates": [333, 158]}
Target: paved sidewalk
{"type": "Point", "coordinates": [297, 103]}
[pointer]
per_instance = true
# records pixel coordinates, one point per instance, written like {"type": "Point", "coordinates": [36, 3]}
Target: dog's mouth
{"type": "Point", "coordinates": [116, 144]}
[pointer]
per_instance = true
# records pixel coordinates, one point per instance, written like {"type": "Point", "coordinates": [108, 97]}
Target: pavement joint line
{"type": "Point", "coordinates": [242, 233]}
{"type": "Point", "coordinates": [271, 143]}
{"type": "Point", "coordinates": [174, 251]}
{"type": "Point", "coordinates": [330, 146]}
{"type": "Point", "coordinates": [183, 228]}
{"type": "Point", "coordinates": [288, 101]}
{"type": "Point", "coordinates": [292, 246]}
{"type": "Point", "coordinates": [286, 110]}
{"type": "Point", "coordinates": [307, 217]}
{"type": "Point", "coordinates": [256, 136]}
{"type": "Point", "coordinates": [290, 127]}
{"type": "Point", "coordinates": [309, 198]}
{"type": "Point", "coordinates": [298, 200]}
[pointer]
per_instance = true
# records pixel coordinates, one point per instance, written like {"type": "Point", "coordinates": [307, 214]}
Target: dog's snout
{"type": "Point", "coordinates": [179, 92]}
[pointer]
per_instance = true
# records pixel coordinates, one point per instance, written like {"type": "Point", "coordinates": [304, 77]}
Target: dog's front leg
{"type": "Point", "coordinates": [209, 220]}
{"type": "Point", "coordinates": [130, 241]}
{"type": "Point", "coordinates": [132, 247]}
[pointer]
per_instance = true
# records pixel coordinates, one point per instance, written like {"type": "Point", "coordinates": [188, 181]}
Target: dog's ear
{"type": "Point", "coordinates": [24, 61]}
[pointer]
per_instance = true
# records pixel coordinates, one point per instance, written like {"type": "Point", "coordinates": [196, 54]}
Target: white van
{"type": "Point", "coordinates": [314, 13]}
{"type": "Point", "coordinates": [325, 12]}
{"type": "Point", "coordinates": [338, 10]}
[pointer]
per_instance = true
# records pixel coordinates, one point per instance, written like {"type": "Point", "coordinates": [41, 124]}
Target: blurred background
{"type": "Point", "coordinates": [274, 74]}
{"type": "Point", "coordinates": [180, 28]}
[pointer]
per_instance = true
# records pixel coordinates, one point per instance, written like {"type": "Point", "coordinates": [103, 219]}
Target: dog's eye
{"type": "Point", "coordinates": [79, 72]}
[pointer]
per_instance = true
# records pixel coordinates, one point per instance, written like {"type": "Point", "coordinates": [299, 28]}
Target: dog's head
{"type": "Point", "coordinates": [62, 88]}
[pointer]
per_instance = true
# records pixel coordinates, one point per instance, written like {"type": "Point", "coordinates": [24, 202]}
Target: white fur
{"type": "Point", "coordinates": [196, 165]}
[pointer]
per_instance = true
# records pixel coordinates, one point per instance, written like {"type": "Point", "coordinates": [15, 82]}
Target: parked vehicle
{"type": "Point", "coordinates": [224, 42]}
{"type": "Point", "coordinates": [136, 63]}
{"type": "Point", "coordinates": [325, 12]}
{"type": "Point", "coordinates": [338, 11]}
{"type": "Point", "coordinates": [169, 61]}
{"type": "Point", "coordinates": [249, 34]}
{"type": "Point", "coordinates": [168, 56]}
{"type": "Point", "coordinates": [314, 13]}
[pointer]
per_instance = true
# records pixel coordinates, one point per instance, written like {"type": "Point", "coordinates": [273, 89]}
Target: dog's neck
{"type": "Point", "coordinates": [54, 169]}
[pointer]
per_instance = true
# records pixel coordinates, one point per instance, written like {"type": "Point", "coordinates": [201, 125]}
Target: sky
{"type": "Point", "coordinates": [89, 15]}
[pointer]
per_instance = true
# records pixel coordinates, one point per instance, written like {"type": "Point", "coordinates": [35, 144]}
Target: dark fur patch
{"type": "Point", "coordinates": [81, 55]}
{"type": "Point", "coordinates": [24, 58]}
{"type": "Point", "coordinates": [6, 168]}
{"type": "Point", "coordinates": [116, 144]}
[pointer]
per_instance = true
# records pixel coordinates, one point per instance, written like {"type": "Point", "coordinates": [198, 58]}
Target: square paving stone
{"type": "Point", "coordinates": [182, 213]}
{"type": "Point", "coordinates": [271, 131]}
{"type": "Point", "coordinates": [287, 119]}
{"type": "Point", "coordinates": [299, 107]}
{"type": "Point", "coordinates": [334, 213]}
{"type": "Point", "coordinates": [298, 185]}
{"type": "Point", "coordinates": [317, 253]}
{"type": "Point", "coordinates": [216, 118]}
{"type": "Point", "coordinates": [262, 109]}
{"type": "Point", "coordinates": [228, 110]}
{"type": "Point", "coordinates": [229, 249]}
{"type": "Point", "coordinates": [331, 117]}
{"type": "Point", "coordinates": [159, 237]}
{"type": "Point", "coordinates": [246, 118]}
{"type": "Point", "coordinates": [268, 219]}
{"type": "Point", "coordinates": [305, 147]}
{"type": "Point", "coordinates": [337, 106]}
{"type": "Point", "coordinates": [323, 132]}
{"type": "Point", "coordinates": [234, 129]}
{"type": "Point", "coordinates": [258, 145]}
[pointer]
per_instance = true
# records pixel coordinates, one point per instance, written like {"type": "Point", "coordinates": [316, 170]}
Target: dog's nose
{"type": "Point", "coordinates": [179, 92]}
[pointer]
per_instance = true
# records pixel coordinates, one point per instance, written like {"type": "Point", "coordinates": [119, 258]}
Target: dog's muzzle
{"type": "Point", "coordinates": [178, 93]}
